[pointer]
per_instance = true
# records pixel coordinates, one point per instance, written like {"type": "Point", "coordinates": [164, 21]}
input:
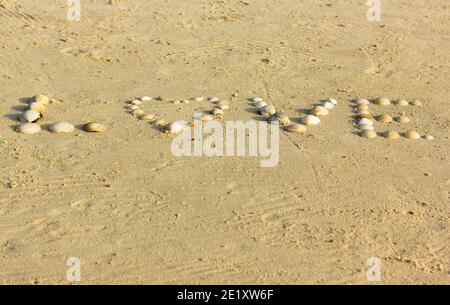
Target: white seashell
{"type": "Point", "coordinates": [175, 127]}
{"type": "Point", "coordinates": [185, 101]}
{"type": "Point", "coordinates": [319, 111]}
{"type": "Point", "coordinates": [267, 110]}
{"type": "Point", "coordinates": [94, 127]}
{"type": "Point", "coordinates": [428, 137]}
{"type": "Point", "coordinates": [383, 101]}
{"type": "Point", "coordinates": [213, 99]}
{"type": "Point", "coordinates": [412, 135]}
{"type": "Point", "coordinates": [223, 106]}
{"type": "Point", "coordinates": [145, 98]}
{"type": "Point", "coordinates": [384, 118]}
{"type": "Point", "coordinates": [39, 107]}
{"type": "Point", "coordinates": [148, 117]}
{"type": "Point", "coordinates": [402, 102]}
{"type": "Point", "coordinates": [403, 119]}
{"type": "Point", "coordinates": [61, 127]}
{"type": "Point", "coordinates": [310, 120]}
{"type": "Point", "coordinates": [365, 121]}
{"type": "Point", "coordinates": [416, 103]}
{"type": "Point", "coordinates": [365, 127]}
{"type": "Point", "coordinates": [198, 99]}
{"type": "Point", "coordinates": [136, 102]}
{"type": "Point", "coordinates": [176, 102]}
{"type": "Point", "coordinates": [328, 105]}
{"type": "Point", "coordinates": [260, 104]}
{"type": "Point", "coordinates": [256, 99]}
{"type": "Point", "coordinates": [369, 134]}
{"type": "Point", "coordinates": [362, 101]}
{"type": "Point", "coordinates": [282, 119]}
{"type": "Point", "coordinates": [391, 135]}
{"type": "Point", "coordinates": [30, 116]}
{"type": "Point", "coordinates": [28, 128]}
{"type": "Point", "coordinates": [298, 128]}
{"type": "Point", "coordinates": [333, 101]}
{"type": "Point", "coordinates": [363, 112]}
{"type": "Point", "coordinates": [42, 99]}
{"type": "Point", "coordinates": [134, 107]}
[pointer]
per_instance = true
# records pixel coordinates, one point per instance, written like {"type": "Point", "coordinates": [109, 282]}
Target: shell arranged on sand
{"type": "Point", "coordinates": [319, 111]}
{"type": "Point", "coordinates": [185, 101]}
{"type": "Point", "coordinates": [136, 102]}
{"type": "Point", "coordinates": [42, 99]}
{"type": "Point", "coordinates": [365, 121]}
{"type": "Point", "coordinates": [368, 134]}
{"type": "Point", "coordinates": [134, 107]}
{"type": "Point", "coordinates": [362, 107]}
{"type": "Point", "coordinates": [216, 112]}
{"type": "Point", "coordinates": [207, 117]}
{"type": "Point", "coordinates": [30, 116]}
{"type": "Point", "coordinates": [267, 110]}
{"type": "Point", "coordinates": [28, 128]}
{"type": "Point", "coordinates": [256, 99]}
{"type": "Point", "coordinates": [175, 127]}
{"type": "Point", "coordinates": [412, 135]}
{"type": "Point", "coordinates": [160, 122]}
{"type": "Point", "coordinates": [61, 127]}
{"type": "Point", "coordinates": [364, 113]}
{"type": "Point", "coordinates": [327, 105]}
{"type": "Point", "coordinates": [416, 103]}
{"type": "Point", "coordinates": [383, 101]}
{"type": "Point", "coordinates": [148, 117]}
{"type": "Point", "coordinates": [213, 99]}
{"type": "Point", "coordinates": [282, 119]}
{"type": "Point", "coordinates": [333, 101]}
{"type": "Point", "coordinates": [297, 128]}
{"type": "Point", "coordinates": [162, 98]}
{"type": "Point", "coordinates": [384, 118]}
{"type": "Point", "coordinates": [391, 135]}
{"type": "Point", "coordinates": [310, 120]}
{"type": "Point", "coordinates": [94, 127]}
{"type": "Point", "coordinates": [223, 106]}
{"type": "Point", "coordinates": [428, 137]}
{"type": "Point", "coordinates": [145, 98]}
{"type": "Point", "coordinates": [403, 119]}
{"type": "Point", "coordinates": [367, 116]}
{"type": "Point", "coordinates": [402, 102]}
{"type": "Point", "coordinates": [39, 107]}
{"type": "Point", "coordinates": [365, 127]}
{"type": "Point", "coordinates": [260, 104]}
{"type": "Point", "coordinates": [362, 101]}
{"type": "Point", "coordinates": [198, 99]}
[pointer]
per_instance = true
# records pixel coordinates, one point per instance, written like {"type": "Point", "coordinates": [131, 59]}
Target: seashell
{"type": "Point", "coordinates": [213, 99]}
{"type": "Point", "coordinates": [146, 98]}
{"type": "Point", "coordinates": [138, 112]}
{"type": "Point", "coordinates": [223, 106]}
{"type": "Point", "coordinates": [256, 99]}
{"type": "Point", "coordinates": [267, 110]}
{"type": "Point", "coordinates": [403, 119]}
{"type": "Point", "coordinates": [362, 107]}
{"type": "Point", "coordinates": [310, 120]}
{"type": "Point", "coordinates": [39, 107]}
{"type": "Point", "coordinates": [402, 102]}
{"type": "Point", "coordinates": [175, 127]}
{"type": "Point", "coordinates": [364, 113]}
{"type": "Point", "coordinates": [367, 116]}
{"type": "Point", "coordinates": [198, 99]}
{"type": "Point", "coordinates": [416, 103]}
{"type": "Point", "coordinates": [136, 102]}
{"type": "Point", "coordinates": [207, 117]}
{"type": "Point", "coordinates": [61, 127]}
{"type": "Point", "coordinates": [282, 119]}
{"type": "Point", "coordinates": [176, 102]}
{"type": "Point", "coordinates": [30, 116]}
{"type": "Point", "coordinates": [365, 121]}
{"type": "Point", "coordinates": [162, 98]}
{"type": "Point", "coordinates": [412, 135]}
{"type": "Point", "coordinates": [28, 128]}
{"type": "Point", "coordinates": [362, 101]}
{"type": "Point", "coordinates": [185, 101]}
{"type": "Point", "coordinates": [42, 99]}
{"type": "Point", "coordinates": [94, 127]}
{"type": "Point", "coordinates": [391, 135]}
{"type": "Point", "coordinates": [160, 122]}
{"type": "Point", "coordinates": [384, 118]}
{"type": "Point", "coordinates": [327, 105]}
{"type": "Point", "coordinates": [365, 127]}
{"type": "Point", "coordinates": [260, 104]}
{"type": "Point", "coordinates": [319, 111]}
{"type": "Point", "coordinates": [428, 137]}
{"type": "Point", "coordinates": [148, 117]}
{"type": "Point", "coordinates": [368, 134]}
{"type": "Point", "coordinates": [134, 107]}
{"type": "Point", "coordinates": [383, 101]}
{"type": "Point", "coordinates": [297, 128]}
{"type": "Point", "coordinates": [217, 113]}
{"type": "Point", "coordinates": [333, 101]}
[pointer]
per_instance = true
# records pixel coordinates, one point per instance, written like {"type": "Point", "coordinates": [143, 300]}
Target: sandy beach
{"type": "Point", "coordinates": [133, 213]}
